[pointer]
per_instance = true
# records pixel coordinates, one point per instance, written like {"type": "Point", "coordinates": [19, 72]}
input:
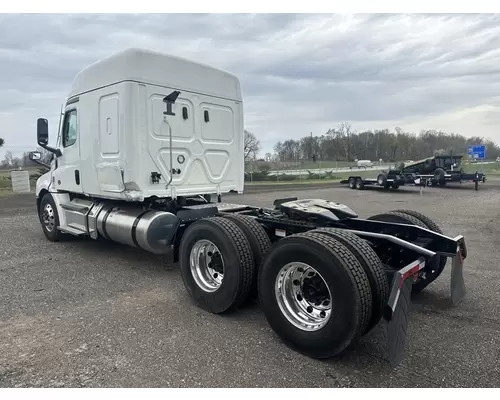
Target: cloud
{"type": "Point", "coordinates": [299, 73]}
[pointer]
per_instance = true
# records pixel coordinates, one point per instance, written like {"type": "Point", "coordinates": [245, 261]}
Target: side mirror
{"type": "Point", "coordinates": [35, 155]}
{"type": "Point", "coordinates": [42, 137]}
{"type": "Point", "coordinates": [42, 131]}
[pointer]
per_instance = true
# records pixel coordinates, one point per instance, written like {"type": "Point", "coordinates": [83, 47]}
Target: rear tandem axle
{"type": "Point", "coordinates": [323, 276]}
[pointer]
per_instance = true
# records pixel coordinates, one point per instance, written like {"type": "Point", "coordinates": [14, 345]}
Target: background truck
{"type": "Point", "coordinates": [364, 164]}
{"type": "Point", "coordinates": [144, 140]}
{"type": "Point", "coordinates": [431, 171]}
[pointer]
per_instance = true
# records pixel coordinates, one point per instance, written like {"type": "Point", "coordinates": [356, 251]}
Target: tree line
{"type": "Point", "coordinates": [345, 144]}
{"type": "Point", "coordinates": [342, 144]}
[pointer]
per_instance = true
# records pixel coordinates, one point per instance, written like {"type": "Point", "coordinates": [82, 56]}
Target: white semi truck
{"type": "Point", "coordinates": [145, 139]}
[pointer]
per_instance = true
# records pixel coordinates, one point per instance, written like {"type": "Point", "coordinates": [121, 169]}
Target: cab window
{"type": "Point", "coordinates": [69, 129]}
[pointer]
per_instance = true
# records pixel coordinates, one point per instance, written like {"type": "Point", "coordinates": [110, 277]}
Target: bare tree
{"type": "Point", "coordinates": [46, 156]}
{"type": "Point", "coordinates": [2, 142]}
{"type": "Point", "coordinates": [252, 145]}
{"type": "Point", "coordinates": [8, 158]}
{"type": "Point", "coordinates": [343, 135]}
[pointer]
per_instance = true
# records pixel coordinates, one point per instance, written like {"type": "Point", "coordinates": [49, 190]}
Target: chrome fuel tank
{"type": "Point", "coordinates": [149, 230]}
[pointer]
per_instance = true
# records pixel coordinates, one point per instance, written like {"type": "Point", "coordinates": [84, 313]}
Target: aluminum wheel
{"type": "Point", "coordinates": [303, 296]}
{"type": "Point", "coordinates": [48, 218]}
{"type": "Point", "coordinates": [207, 265]}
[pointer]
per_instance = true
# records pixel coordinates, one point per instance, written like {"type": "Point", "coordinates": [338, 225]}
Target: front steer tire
{"type": "Point", "coordinates": [237, 258]}
{"type": "Point", "coordinates": [349, 288]}
{"type": "Point", "coordinates": [49, 218]}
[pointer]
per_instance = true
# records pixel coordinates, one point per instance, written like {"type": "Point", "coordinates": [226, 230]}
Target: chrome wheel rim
{"type": "Point", "coordinates": [303, 296]}
{"type": "Point", "coordinates": [48, 218]}
{"type": "Point", "coordinates": [207, 265]}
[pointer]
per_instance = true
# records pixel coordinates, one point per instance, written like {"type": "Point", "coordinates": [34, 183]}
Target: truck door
{"type": "Point", "coordinates": [67, 174]}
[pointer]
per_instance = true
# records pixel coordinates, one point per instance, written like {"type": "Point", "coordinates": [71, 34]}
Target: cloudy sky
{"type": "Point", "coordinates": [299, 73]}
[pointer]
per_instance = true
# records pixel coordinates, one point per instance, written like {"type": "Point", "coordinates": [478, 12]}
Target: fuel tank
{"type": "Point", "coordinates": [150, 230]}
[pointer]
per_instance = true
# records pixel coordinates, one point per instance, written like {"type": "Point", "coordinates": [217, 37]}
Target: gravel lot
{"type": "Point", "coordinates": [83, 313]}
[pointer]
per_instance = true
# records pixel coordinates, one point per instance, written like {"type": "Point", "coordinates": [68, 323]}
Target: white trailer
{"type": "Point", "coordinates": [144, 140]}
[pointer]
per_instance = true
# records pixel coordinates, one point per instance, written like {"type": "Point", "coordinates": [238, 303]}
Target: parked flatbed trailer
{"type": "Point", "coordinates": [383, 180]}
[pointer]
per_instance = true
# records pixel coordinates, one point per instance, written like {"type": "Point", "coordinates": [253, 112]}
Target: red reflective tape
{"type": "Point", "coordinates": [460, 255]}
{"type": "Point", "coordinates": [409, 273]}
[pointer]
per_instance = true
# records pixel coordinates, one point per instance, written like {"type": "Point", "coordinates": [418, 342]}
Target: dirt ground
{"type": "Point", "coordinates": [84, 313]}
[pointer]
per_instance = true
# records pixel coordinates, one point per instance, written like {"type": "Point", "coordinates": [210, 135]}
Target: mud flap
{"type": "Point", "coordinates": [398, 325]}
{"type": "Point", "coordinates": [398, 308]}
{"type": "Point", "coordinates": [457, 279]}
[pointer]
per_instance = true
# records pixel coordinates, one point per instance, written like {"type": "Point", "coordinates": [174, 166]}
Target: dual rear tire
{"type": "Point", "coordinates": [219, 259]}
{"type": "Point", "coordinates": [319, 290]}
{"type": "Point", "coordinates": [404, 216]}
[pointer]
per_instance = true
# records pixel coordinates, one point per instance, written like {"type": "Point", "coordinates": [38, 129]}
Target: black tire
{"type": "Point", "coordinates": [372, 266]}
{"type": "Point", "coordinates": [259, 243]}
{"type": "Point", "coordinates": [398, 218]}
{"type": "Point", "coordinates": [382, 179]}
{"type": "Point", "coordinates": [404, 218]}
{"type": "Point", "coordinates": [433, 226]}
{"type": "Point", "coordinates": [439, 175]}
{"type": "Point", "coordinates": [352, 183]}
{"type": "Point", "coordinates": [359, 184]}
{"type": "Point", "coordinates": [429, 223]}
{"type": "Point", "coordinates": [49, 218]}
{"type": "Point", "coordinates": [238, 260]}
{"type": "Point", "coordinates": [395, 185]}
{"type": "Point", "coordinates": [351, 299]}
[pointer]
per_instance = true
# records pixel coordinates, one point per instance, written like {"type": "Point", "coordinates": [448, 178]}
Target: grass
{"type": "Point", "coordinates": [488, 169]}
{"type": "Point", "coordinates": [295, 165]}
{"type": "Point", "coordinates": [323, 164]}
{"type": "Point", "coordinates": [296, 182]}
{"type": "Point", "coordinates": [274, 180]}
